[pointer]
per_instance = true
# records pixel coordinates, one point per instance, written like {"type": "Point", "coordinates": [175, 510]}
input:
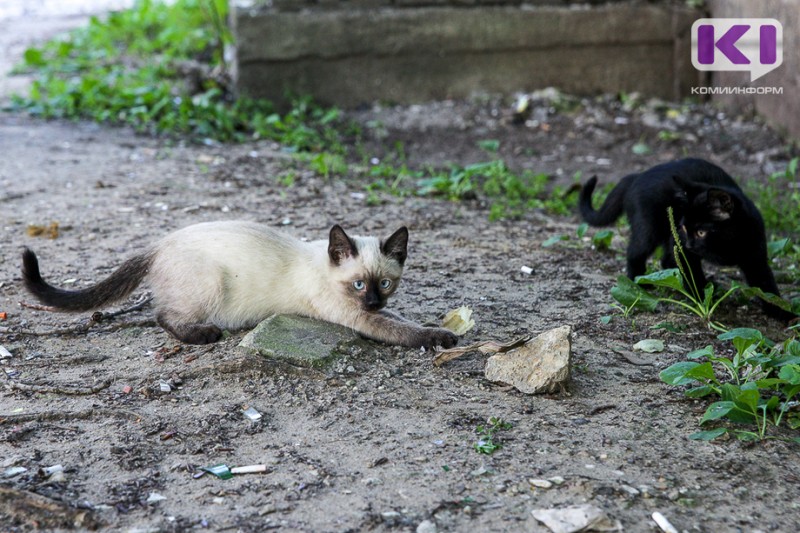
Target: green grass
{"type": "Point", "coordinates": [509, 193]}
{"type": "Point", "coordinates": [160, 68]}
{"type": "Point", "coordinates": [778, 199]}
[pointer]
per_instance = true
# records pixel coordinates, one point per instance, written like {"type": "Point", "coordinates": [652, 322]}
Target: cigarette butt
{"type": "Point", "coordinates": [663, 523]}
{"type": "Point", "coordinates": [249, 469]}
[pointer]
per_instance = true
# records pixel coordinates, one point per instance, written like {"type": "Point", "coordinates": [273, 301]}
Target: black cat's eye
{"type": "Point", "coordinates": [701, 233]}
{"type": "Point", "coordinates": [359, 285]}
{"type": "Point", "coordinates": [386, 283]}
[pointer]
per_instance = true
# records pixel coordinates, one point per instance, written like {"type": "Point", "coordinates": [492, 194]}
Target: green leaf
{"type": "Point", "coordinates": [490, 145]}
{"type": "Point", "coordinates": [707, 352]}
{"type": "Point", "coordinates": [669, 326]}
{"type": "Point", "coordinates": [34, 57]}
{"type": "Point", "coordinates": [768, 297]}
{"type": "Point", "coordinates": [708, 295]}
{"type": "Point", "coordinates": [779, 247]}
{"type": "Point", "coordinates": [676, 374]}
{"type": "Point", "coordinates": [581, 231]}
{"type": "Point", "coordinates": [748, 400]}
{"type": "Point", "coordinates": [747, 436]}
{"type": "Point", "coordinates": [708, 435]}
{"type": "Point", "coordinates": [606, 319]}
{"type": "Point", "coordinates": [553, 240]}
{"type": "Point", "coordinates": [640, 148]}
{"type": "Point", "coordinates": [670, 278]}
{"type": "Point", "coordinates": [743, 401]}
{"type": "Point", "coordinates": [702, 372]}
{"type": "Point", "coordinates": [699, 392]}
{"type": "Point", "coordinates": [790, 373]}
{"type": "Point", "coordinates": [602, 239]}
{"type": "Point", "coordinates": [629, 294]}
{"type": "Point", "coordinates": [718, 410]}
{"type": "Point", "coordinates": [741, 333]}
{"type": "Point", "coordinates": [769, 383]}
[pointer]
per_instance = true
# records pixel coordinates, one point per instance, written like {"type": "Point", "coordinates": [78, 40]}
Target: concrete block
{"type": "Point", "coordinates": [782, 111]}
{"type": "Point", "coordinates": [411, 54]}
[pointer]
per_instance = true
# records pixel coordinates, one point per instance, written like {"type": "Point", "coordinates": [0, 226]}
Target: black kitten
{"type": "Point", "coordinates": [716, 221]}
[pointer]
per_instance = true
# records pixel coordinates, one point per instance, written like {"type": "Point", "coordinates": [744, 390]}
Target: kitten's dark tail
{"type": "Point", "coordinates": [118, 285]}
{"type": "Point", "coordinates": [611, 209]}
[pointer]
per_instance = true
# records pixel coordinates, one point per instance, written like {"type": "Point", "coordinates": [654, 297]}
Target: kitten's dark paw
{"type": "Point", "coordinates": [199, 334]}
{"type": "Point", "coordinates": [438, 337]}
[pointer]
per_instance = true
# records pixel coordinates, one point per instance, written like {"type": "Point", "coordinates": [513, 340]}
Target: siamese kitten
{"type": "Point", "coordinates": [715, 221]}
{"type": "Point", "coordinates": [231, 275]}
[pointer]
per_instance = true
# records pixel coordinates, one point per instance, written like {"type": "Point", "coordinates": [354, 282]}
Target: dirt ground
{"type": "Point", "coordinates": [382, 440]}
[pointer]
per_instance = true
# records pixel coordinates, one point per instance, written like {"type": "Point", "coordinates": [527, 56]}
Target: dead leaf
{"type": "Point", "coordinates": [459, 321]}
{"type": "Point", "coordinates": [585, 517]}
{"type": "Point", "coordinates": [51, 231]}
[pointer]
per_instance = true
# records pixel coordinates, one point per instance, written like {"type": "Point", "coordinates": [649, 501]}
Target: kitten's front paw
{"type": "Point", "coordinates": [438, 337]}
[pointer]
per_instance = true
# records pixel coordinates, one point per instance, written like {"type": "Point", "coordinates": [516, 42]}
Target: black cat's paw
{"type": "Point", "coordinates": [438, 337]}
{"type": "Point", "coordinates": [777, 313]}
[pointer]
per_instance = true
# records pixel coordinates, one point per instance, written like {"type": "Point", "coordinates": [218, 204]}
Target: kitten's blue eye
{"type": "Point", "coordinates": [386, 283]}
{"type": "Point", "coordinates": [359, 285]}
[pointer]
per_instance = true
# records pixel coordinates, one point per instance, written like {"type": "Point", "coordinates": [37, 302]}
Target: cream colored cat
{"type": "Point", "coordinates": [231, 275]}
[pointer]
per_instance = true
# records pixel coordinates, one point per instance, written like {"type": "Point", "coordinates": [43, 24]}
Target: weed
{"type": "Point", "coordinates": [779, 202]}
{"type": "Point", "coordinates": [761, 381]}
{"type": "Point", "coordinates": [489, 145]}
{"type": "Point", "coordinates": [326, 164]}
{"type": "Point", "coordinates": [668, 136]}
{"type": "Point", "coordinates": [160, 68]}
{"type": "Point", "coordinates": [510, 193]}
{"type": "Point", "coordinates": [486, 434]}
{"type": "Point", "coordinates": [641, 148]}
{"type": "Point", "coordinates": [601, 240]}
{"type": "Point", "coordinates": [677, 280]}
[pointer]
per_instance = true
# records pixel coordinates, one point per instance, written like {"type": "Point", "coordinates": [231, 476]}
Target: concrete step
{"type": "Point", "coordinates": [406, 53]}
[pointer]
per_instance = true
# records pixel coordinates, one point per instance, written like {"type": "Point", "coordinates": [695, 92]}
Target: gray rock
{"type": "Point", "coordinates": [541, 365]}
{"type": "Point", "coordinates": [426, 526]}
{"type": "Point", "coordinates": [300, 340]}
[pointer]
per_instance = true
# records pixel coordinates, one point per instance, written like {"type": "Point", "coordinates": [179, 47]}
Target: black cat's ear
{"type": "Point", "coordinates": [682, 188]}
{"type": "Point", "coordinates": [396, 246]}
{"type": "Point", "coordinates": [720, 204]}
{"type": "Point", "coordinates": [340, 246]}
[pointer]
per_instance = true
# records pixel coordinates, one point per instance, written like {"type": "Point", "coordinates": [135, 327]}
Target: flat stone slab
{"type": "Point", "coordinates": [300, 340]}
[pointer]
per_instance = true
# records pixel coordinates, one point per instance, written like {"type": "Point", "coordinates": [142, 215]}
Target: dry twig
{"type": "Point", "coordinates": [54, 389]}
{"type": "Point", "coordinates": [485, 347]}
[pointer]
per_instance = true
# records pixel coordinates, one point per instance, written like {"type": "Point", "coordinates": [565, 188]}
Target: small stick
{"type": "Point", "coordinates": [38, 307]}
{"type": "Point", "coordinates": [27, 387]}
{"type": "Point", "coordinates": [83, 328]}
{"type": "Point", "coordinates": [135, 307]}
{"type": "Point", "coordinates": [67, 415]}
{"type": "Point", "coordinates": [485, 347]}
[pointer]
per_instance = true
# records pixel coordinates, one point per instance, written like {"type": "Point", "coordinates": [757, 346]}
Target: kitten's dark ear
{"type": "Point", "coordinates": [720, 204]}
{"type": "Point", "coordinates": [396, 246]}
{"type": "Point", "coordinates": [340, 246]}
{"type": "Point", "coordinates": [683, 190]}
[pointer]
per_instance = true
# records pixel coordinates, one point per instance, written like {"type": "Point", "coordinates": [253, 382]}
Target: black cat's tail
{"type": "Point", "coordinates": [118, 285]}
{"type": "Point", "coordinates": [612, 207]}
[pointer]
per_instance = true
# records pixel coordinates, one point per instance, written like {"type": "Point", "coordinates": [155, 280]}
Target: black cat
{"type": "Point", "coordinates": [716, 221]}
